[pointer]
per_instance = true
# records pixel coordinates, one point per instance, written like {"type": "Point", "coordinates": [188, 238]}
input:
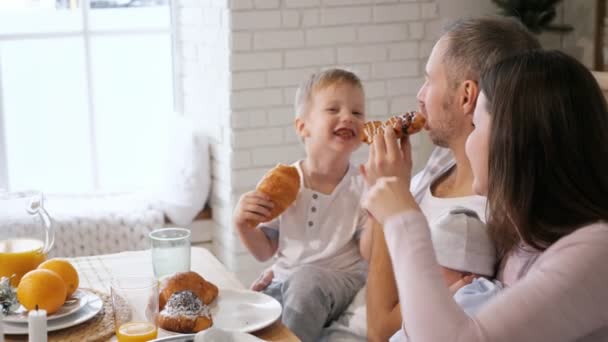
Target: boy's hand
{"type": "Point", "coordinates": [263, 280]}
{"type": "Point", "coordinates": [252, 207]}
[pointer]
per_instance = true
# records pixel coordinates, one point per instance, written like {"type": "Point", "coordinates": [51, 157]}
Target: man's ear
{"type": "Point", "coordinates": [301, 128]}
{"type": "Point", "coordinates": [468, 100]}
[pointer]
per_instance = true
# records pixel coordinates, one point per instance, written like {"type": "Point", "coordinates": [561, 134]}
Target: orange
{"type": "Point", "coordinates": [136, 332]}
{"type": "Point", "coordinates": [65, 270]}
{"type": "Point", "coordinates": [42, 288]}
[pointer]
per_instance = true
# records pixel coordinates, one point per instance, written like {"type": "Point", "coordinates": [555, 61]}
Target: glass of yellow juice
{"type": "Point", "coordinates": [135, 306]}
{"type": "Point", "coordinates": [19, 256]}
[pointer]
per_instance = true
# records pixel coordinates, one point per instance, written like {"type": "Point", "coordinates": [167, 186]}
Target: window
{"type": "Point", "coordinates": [86, 89]}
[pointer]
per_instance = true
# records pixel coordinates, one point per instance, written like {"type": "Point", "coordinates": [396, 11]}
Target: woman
{"type": "Point", "coordinates": [539, 151]}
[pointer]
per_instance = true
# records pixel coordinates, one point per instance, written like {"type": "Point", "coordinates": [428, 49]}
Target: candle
{"type": "Point", "coordinates": [36, 325]}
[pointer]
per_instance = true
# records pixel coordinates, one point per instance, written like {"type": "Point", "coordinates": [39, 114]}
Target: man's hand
{"type": "Point", "coordinates": [465, 280]}
{"type": "Point", "coordinates": [263, 280]}
{"type": "Point", "coordinates": [253, 206]}
{"type": "Point", "coordinates": [388, 157]}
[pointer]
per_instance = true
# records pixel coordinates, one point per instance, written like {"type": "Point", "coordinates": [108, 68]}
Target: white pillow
{"type": "Point", "coordinates": [188, 176]}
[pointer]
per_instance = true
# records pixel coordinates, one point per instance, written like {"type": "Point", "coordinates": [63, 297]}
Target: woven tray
{"type": "Point", "coordinates": [98, 328]}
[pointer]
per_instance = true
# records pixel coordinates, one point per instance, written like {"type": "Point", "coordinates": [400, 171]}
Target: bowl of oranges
{"type": "Point", "coordinates": [53, 287]}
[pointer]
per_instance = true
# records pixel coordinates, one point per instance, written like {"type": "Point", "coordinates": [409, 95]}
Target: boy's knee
{"type": "Point", "coordinates": [305, 282]}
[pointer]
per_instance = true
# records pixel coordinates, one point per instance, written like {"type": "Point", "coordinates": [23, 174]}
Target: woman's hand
{"type": "Point", "coordinates": [388, 158]}
{"type": "Point", "coordinates": [388, 197]}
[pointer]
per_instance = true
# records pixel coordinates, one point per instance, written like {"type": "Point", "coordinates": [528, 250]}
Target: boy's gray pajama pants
{"type": "Point", "coordinates": [312, 297]}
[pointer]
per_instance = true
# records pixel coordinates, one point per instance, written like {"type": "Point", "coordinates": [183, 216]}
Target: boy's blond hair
{"type": "Point", "coordinates": [320, 80]}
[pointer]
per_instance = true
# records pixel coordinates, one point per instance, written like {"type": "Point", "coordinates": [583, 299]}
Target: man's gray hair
{"type": "Point", "coordinates": [476, 44]}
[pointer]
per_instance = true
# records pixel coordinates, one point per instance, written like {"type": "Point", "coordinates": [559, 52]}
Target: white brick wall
{"type": "Point", "coordinates": [241, 69]}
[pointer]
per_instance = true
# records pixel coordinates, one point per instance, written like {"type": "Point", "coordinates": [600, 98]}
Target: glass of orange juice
{"type": "Point", "coordinates": [135, 306]}
{"type": "Point", "coordinates": [26, 233]}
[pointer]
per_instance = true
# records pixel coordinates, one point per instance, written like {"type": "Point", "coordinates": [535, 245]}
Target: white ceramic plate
{"type": "Point", "coordinates": [244, 310]}
{"type": "Point", "coordinates": [93, 305]}
{"type": "Point", "coordinates": [76, 302]}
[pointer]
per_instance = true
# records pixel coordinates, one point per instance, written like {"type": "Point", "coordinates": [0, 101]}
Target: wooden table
{"type": "Point", "coordinates": [96, 272]}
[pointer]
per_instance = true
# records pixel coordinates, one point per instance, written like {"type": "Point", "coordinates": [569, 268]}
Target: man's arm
{"type": "Point", "coordinates": [365, 241]}
{"type": "Point", "coordinates": [383, 310]}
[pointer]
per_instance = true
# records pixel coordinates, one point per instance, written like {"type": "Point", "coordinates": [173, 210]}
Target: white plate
{"type": "Point", "coordinates": [244, 310]}
{"type": "Point", "coordinates": [76, 302]}
{"type": "Point", "coordinates": [93, 305]}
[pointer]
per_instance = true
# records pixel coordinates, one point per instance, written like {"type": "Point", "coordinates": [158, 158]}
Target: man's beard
{"type": "Point", "coordinates": [442, 133]}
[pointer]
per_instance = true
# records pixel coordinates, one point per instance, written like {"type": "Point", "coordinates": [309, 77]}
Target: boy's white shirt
{"type": "Point", "coordinates": [321, 230]}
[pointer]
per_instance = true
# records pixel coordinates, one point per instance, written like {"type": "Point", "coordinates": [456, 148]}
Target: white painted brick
{"type": "Point", "coordinates": [266, 4]}
{"type": "Point", "coordinates": [374, 89]}
{"type": "Point", "coordinates": [377, 108]}
{"type": "Point", "coordinates": [396, 13]}
{"type": "Point", "coordinates": [189, 51]}
{"type": "Point", "coordinates": [345, 15]}
{"type": "Point", "coordinates": [256, 98]}
{"type": "Point", "coordinates": [395, 69]}
{"type": "Point", "coordinates": [290, 19]}
{"type": "Point", "coordinates": [241, 4]}
{"type": "Point", "coordinates": [301, 3]}
{"type": "Point", "coordinates": [211, 17]}
{"type": "Point", "coordinates": [248, 118]}
{"type": "Point", "coordinates": [249, 177]}
{"type": "Point", "coordinates": [402, 104]}
{"type": "Point", "coordinates": [347, 2]}
{"type": "Point", "coordinates": [281, 116]}
{"type": "Point", "coordinates": [191, 16]}
{"type": "Point", "coordinates": [254, 61]}
{"type": "Point", "coordinates": [432, 29]}
{"type": "Point", "coordinates": [309, 57]}
{"type": "Point", "coordinates": [330, 36]}
{"type": "Point", "coordinates": [269, 156]}
{"type": "Point", "coordinates": [289, 77]}
{"type": "Point", "coordinates": [429, 10]}
{"type": "Point", "coordinates": [248, 80]}
{"type": "Point", "coordinates": [361, 70]}
{"type": "Point", "coordinates": [361, 54]}
{"type": "Point", "coordinates": [288, 95]}
{"type": "Point", "coordinates": [241, 41]}
{"type": "Point", "coordinates": [256, 20]}
{"type": "Point", "coordinates": [405, 50]}
{"type": "Point", "coordinates": [405, 86]}
{"type": "Point", "coordinates": [311, 18]}
{"type": "Point", "coordinates": [290, 135]}
{"type": "Point", "coordinates": [257, 137]}
{"type": "Point", "coordinates": [278, 39]}
{"type": "Point", "coordinates": [425, 49]}
{"type": "Point", "coordinates": [382, 33]}
{"type": "Point", "coordinates": [240, 159]}
{"type": "Point", "coordinates": [416, 30]}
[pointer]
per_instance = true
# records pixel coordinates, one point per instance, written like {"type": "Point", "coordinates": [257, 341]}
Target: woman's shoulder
{"type": "Point", "coordinates": [586, 245]}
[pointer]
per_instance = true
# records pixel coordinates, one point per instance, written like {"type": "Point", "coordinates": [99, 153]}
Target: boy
{"type": "Point", "coordinates": [319, 241]}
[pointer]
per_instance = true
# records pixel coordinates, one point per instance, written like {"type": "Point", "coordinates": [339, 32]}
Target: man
{"type": "Point", "coordinates": [447, 100]}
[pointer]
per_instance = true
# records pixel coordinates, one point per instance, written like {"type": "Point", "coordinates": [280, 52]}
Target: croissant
{"type": "Point", "coordinates": [190, 281]}
{"type": "Point", "coordinates": [281, 184]}
{"type": "Point", "coordinates": [408, 123]}
{"type": "Point", "coordinates": [184, 312]}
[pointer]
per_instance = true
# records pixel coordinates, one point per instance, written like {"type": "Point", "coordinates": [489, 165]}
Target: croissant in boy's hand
{"type": "Point", "coordinates": [408, 123]}
{"type": "Point", "coordinates": [281, 184]}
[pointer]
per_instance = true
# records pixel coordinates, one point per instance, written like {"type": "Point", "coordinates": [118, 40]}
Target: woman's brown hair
{"type": "Point", "coordinates": [548, 153]}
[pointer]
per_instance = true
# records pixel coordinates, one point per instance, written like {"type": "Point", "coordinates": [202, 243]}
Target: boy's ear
{"type": "Point", "coordinates": [301, 128]}
{"type": "Point", "coordinates": [468, 99]}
